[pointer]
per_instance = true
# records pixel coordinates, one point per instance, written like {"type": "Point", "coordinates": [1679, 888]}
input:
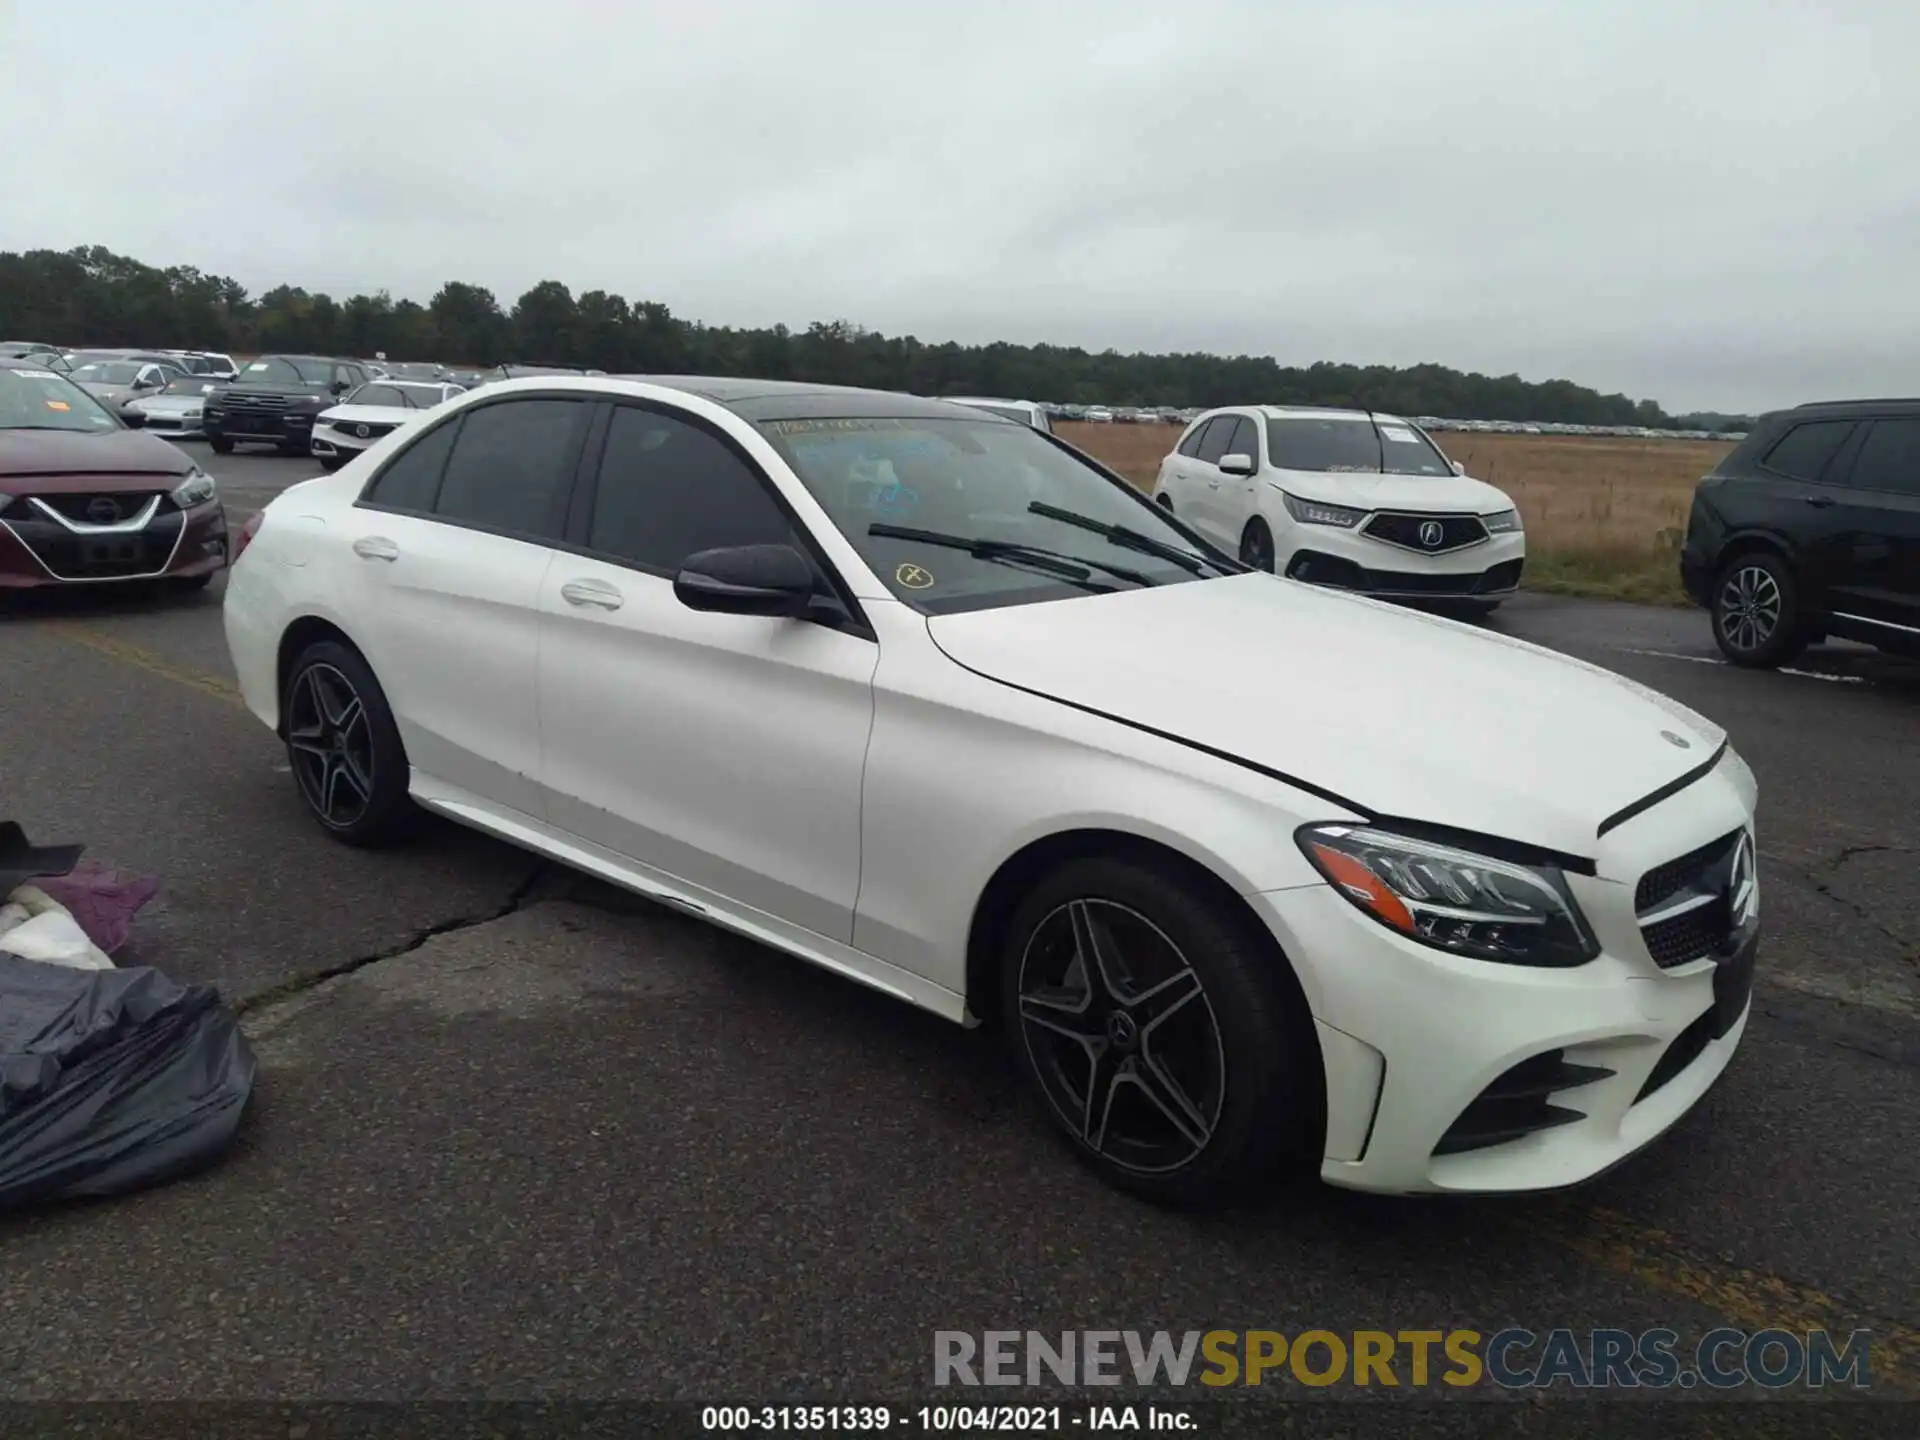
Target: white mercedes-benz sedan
{"type": "Point", "coordinates": [1254, 874]}
{"type": "Point", "coordinates": [1347, 498]}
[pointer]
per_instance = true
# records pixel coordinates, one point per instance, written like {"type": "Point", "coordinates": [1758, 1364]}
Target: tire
{"type": "Point", "coordinates": [1164, 500]}
{"type": "Point", "coordinates": [356, 790]}
{"type": "Point", "coordinates": [1256, 545]}
{"type": "Point", "coordinates": [189, 584]}
{"type": "Point", "coordinates": [220, 444]}
{"type": "Point", "coordinates": [330, 463]}
{"type": "Point", "coordinates": [1755, 608]}
{"type": "Point", "coordinates": [1239, 1048]}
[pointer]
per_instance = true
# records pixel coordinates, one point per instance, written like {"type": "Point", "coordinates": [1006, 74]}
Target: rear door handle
{"type": "Point", "coordinates": [1819, 502]}
{"type": "Point", "coordinates": [376, 547]}
{"type": "Point", "coordinates": [596, 593]}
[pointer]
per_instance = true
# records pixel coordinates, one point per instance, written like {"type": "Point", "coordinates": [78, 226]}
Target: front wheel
{"type": "Point", "coordinates": [330, 463]}
{"type": "Point", "coordinates": [1256, 546]}
{"type": "Point", "coordinates": [1756, 611]}
{"type": "Point", "coordinates": [344, 748]}
{"type": "Point", "coordinates": [1168, 1046]}
{"type": "Point", "coordinates": [220, 444]}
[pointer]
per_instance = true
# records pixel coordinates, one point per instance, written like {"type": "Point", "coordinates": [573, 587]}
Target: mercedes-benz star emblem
{"type": "Point", "coordinates": [103, 510]}
{"type": "Point", "coordinates": [362, 431]}
{"type": "Point", "coordinates": [1432, 532]}
{"type": "Point", "coordinates": [1679, 741]}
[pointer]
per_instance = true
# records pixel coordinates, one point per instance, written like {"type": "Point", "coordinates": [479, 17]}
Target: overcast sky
{"type": "Point", "coordinates": [1710, 204]}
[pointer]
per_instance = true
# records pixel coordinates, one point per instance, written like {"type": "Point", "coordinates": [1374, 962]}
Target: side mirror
{"type": "Point", "coordinates": [1236, 465]}
{"type": "Point", "coordinates": [1459, 467]}
{"type": "Point", "coordinates": [133, 419]}
{"type": "Point", "coordinates": [747, 580]}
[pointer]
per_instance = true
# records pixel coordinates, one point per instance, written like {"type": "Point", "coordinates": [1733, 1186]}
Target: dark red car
{"type": "Point", "coordinates": [84, 497]}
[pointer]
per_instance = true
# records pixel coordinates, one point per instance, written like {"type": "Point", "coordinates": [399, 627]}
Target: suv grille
{"type": "Point", "coordinates": [243, 404]}
{"type": "Point", "coordinates": [1687, 907]}
{"type": "Point", "coordinates": [1455, 533]}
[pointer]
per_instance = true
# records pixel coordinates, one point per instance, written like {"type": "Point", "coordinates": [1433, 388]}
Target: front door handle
{"type": "Point", "coordinates": [1819, 502]}
{"type": "Point", "coordinates": [376, 547]}
{"type": "Point", "coordinates": [596, 593]}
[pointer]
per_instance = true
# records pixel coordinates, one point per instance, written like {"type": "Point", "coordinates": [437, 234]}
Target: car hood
{"type": "Point", "coordinates": [1400, 714]}
{"type": "Point", "coordinates": [371, 414]}
{"type": "Point", "coordinates": [52, 461]}
{"type": "Point", "coordinates": [1438, 493]}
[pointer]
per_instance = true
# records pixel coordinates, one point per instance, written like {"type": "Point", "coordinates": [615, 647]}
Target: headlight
{"type": "Point", "coordinates": [196, 489]}
{"type": "Point", "coordinates": [1503, 522]}
{"type": "Point", "coordinates": [1451, 899]}
{"type": "Point", "coordinates": [1312, 512]}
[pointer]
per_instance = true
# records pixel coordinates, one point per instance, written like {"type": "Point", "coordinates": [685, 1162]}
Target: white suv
{"type": "Point", "coordinates": [1347, 498]}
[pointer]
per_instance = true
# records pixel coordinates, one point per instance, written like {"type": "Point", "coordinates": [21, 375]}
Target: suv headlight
{"type": "Point", "coordinates": [1313, 512]}
{"type": "Point", "coordinates": [1503, 522]}
{"type": "Point", "coordinates": [1453, 899]}
{"type": "Point", "coordinates": [197, 489]}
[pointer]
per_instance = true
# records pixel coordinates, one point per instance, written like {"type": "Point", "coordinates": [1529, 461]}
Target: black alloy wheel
{"type": "Point", "coordinates": [1165, 1043]}
{"type": "Point", "coordinates": [344, 748]}
{"type": "Point", "coordinates": [1256, 546]}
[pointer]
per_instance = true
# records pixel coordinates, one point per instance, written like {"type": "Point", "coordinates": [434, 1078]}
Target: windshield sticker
{"type": "Point", "coordinates": [58, 405]}
{"type": "Point", "coordinates": [36, 375]}
{"type": "Point", "coordinates": [1400, 433]}
{"type": "Point", "coordinates": [826, 427]}
{"type": "Point", "coordinates": [912, 577]}
{"type": "Point", "coordinates": [258, 365]}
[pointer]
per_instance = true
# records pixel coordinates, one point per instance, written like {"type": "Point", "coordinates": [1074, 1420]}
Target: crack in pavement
{"type": "Point", "coordinates": [1813, 879]}
{"type": "Point", "coordinates": [298, 985]}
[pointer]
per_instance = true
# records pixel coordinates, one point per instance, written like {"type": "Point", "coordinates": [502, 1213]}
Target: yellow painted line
{"type": "Point", "coordinates": [140, 658]}
{"type": "Point", "coordinates": [1749, 1299]}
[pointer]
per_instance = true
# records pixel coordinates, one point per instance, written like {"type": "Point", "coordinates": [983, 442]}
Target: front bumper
{"type": "Point", "coordinates": [329, 444]}
{"type": "Point", "coordinates": [286, 428]}
{"type": "Point", "coordinates": [36, 552]}
{"type": "Point", "coordinates": [1351, 560]}
{"type": "Point", "coordinates": [1452, 1075]}
{"type": "Point", "coordinates": [176, 427]}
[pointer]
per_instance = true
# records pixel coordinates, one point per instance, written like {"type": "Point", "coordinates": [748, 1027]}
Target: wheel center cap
{"type": "Point", "coordinates": [1121, 1030]}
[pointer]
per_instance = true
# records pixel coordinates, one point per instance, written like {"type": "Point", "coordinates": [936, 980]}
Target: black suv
{"type": "Point", "coordinates": [1811, 528]}
{"type": "Point", "coordinates": [273, 401]}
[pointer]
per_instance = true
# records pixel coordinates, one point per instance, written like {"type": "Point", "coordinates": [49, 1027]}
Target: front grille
{"type": "Point", "coordinates": [100, 557]}
{"type": "Point", "coordinates": [88, 509]}
{"type": "Point", "coordinates": [1318, 569]}
{"type": "Point", "coordinates": [363, 430]}
{"type": "Point", "coordinates": [1410, 532]}
{"type": "Point", "coordinates": [1686, 906]}
{"type": "Point", "coordinates": [1520, 1103]}
{"type": "Point", "coordinates": [240, 403]}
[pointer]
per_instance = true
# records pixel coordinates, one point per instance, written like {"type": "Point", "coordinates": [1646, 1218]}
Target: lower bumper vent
{"type": "Point", "coordinates": [1520, 1103]}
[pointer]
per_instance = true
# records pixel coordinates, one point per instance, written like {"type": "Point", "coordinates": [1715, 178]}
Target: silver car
{"type": "Point", "coordinates": [178, 411]}
{"type": "Point", "coordinates": [115, 382]}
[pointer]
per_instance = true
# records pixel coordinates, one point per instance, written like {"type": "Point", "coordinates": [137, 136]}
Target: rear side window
{"type": "Point", "coordinates": [412, 480]}
{"type": "Point", "coordinates": [1190, 447]}
{"type": "Point", "coordinates": [668, 489]}
{"type": "Point", "coordinates": [1803, 452]}
{"type": "Point", "coordinates": [1214, 444]}
{"type": "Point", "coordinates": [1890, 458]}
{"type": "Point", "coordinates": [510, 467]}
{"type": "Point", "coordinates": [1245, 440]}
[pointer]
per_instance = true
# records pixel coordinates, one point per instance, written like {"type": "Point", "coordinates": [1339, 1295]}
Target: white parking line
{"type": "Point", "coordinates": [1715, 660]}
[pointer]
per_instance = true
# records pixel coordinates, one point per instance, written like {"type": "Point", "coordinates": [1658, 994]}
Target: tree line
{"type": "Point", "coordinates": [91, 296]}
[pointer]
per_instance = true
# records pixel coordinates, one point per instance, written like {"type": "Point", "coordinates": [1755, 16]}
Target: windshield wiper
{"type": "Point", "coordinates": [1077, 568]}
{"type": "Point", "coordinates": [1132, 539]}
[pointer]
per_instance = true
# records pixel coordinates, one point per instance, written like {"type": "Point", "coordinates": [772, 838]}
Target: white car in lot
{"type": "Point", "coordinates": [1023, 412]}
{"type": "Point", "coordinates": [1254, 874]}
{"type": "Point", "coordinates": [371, 412]}
{"type": "Point", "coordinates": [1347, 498]}
{"type": "Point", "coordinates": [178, 411]}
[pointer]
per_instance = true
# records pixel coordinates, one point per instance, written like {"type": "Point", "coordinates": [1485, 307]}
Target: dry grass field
{"type": "Point", "coordinates": [1604, 515]}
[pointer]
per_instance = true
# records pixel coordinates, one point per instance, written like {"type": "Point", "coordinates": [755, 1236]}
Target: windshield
{"type": "Point", "coordinates": [42, 400]}
{"type": "Point", "coordinates": [287, 370]}
{"type": "Point", "coordinates": [1353, 444]}
{"type": "Point", "coordinates": [978, 480]}
{"type": "Point", "coordinates": [424, 396]}
{"type": "Point", "coordinates": [106, 373]}
{"type": "Point", "coordinates": [414, 371]}
{"type": "Point", "coordinates": [191, 385]}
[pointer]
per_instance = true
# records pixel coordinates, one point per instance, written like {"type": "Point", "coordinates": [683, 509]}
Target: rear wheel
{"type": "Point", "coordinates": [1166, 1042]}
{"type": "Point", "coordinates": [220, 444]}
{"type": "Point", "coordinates": [1165, 500]}
{"type": "Point", "coordinates": [344, 748]}
{"type": "Point", "coordinates": [1256, 545]}
{"type": "Point", "coordinates": [1756, 611]}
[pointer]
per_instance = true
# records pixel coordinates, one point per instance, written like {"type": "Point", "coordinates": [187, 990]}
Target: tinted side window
{"type": "Point", "coordinates": [1890, 458]}
{"type": "Point", "coordinates": [511, 465]}
{"type": "Point", "coordinates": [1803, 452]}
{"type": "Point", "coordinates": [668, 488]}
{"type": "Point", "coordinates": [1214, 443]}
{"type": "Point", "coordinates": [1244, 440]}
{"type": "Point", "coordinates": [412, 479]}
{"type": "Point", "coordinates": [1190, 446]}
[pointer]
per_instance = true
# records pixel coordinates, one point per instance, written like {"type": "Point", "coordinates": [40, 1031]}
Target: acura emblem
{"type": "Point", "coordinates": [103, 510]}
{"type": "Point", "coordinates": [1432, 532]}
{"type": "Point", "coordinates": [1673, 739]}
{"type": "Point", "coordinates": [362, 431]}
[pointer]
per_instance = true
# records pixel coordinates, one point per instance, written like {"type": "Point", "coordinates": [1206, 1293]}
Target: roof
{"type": "Point", "coordinates": [802, 400]}
{"type": "Point", "coordinates": [1899, 403]}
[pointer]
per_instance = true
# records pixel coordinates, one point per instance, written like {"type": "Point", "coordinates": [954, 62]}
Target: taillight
{"type": "Point", "coordinates": [247, 532]}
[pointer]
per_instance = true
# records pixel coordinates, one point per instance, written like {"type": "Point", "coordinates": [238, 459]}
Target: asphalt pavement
{"type": "Point", "coordinates": [518, 1135]}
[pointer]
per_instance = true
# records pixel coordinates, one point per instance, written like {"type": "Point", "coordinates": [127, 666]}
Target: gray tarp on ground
{"type": "Point", "coordinates": [112, 1080]}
